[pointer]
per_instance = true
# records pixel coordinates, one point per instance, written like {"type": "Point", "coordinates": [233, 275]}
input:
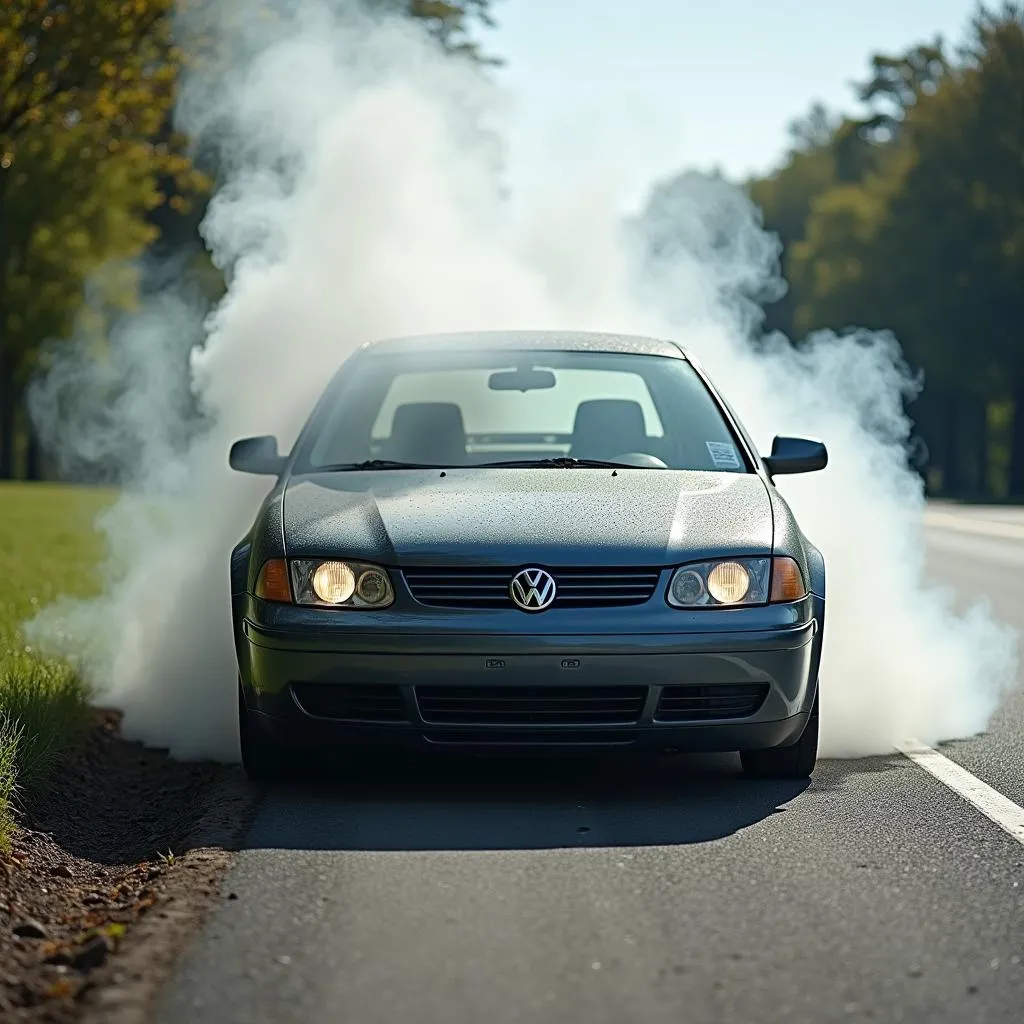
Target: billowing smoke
{"type": "Point", "coordinates": [359, 199]}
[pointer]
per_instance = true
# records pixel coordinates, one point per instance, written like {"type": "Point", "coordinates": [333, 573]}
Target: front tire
{"type": "Point", "coordinates": [796, 761]}
{"type": "Point", "coordinates": [264, 760]}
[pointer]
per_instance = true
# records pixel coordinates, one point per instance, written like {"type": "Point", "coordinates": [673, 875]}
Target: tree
{"type": "Point", "coordinates": [827, 150]}
{"type": "Point", "coordinates": [914, 221]}
{"type": "Point", "coordinates": [217, 36]}
{"type": "Point", "coordinates": [948, 258]}
{"type": "Point", "coordinates": [897, 83]}
{"type": "Point", "coordinates": [989, 162]}
{"type": "Point", "coordinates": [84, 89]}
{"type": "Point", "coordinates": [452, 24]}
{"type": "Point", "coordinates": [785, 199]}
{"type": "Point", "coordinates": [92, 173]}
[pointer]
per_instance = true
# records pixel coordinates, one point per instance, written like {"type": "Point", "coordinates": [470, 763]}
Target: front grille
{"type": "Point", "coordinates": [350, 702]}
{"type": "Point", "coordinates": [531, 705]}
{"type": "Point", "coordinates": [489, 588]}
{"type": "Point", "coordinates": [703, 703]}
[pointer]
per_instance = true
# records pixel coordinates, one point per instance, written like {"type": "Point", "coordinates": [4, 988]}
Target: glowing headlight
{"type": "Point", "coordinates": [736, 581]}
{"type": "Point", "coordinates": [333, 582]}
{"type": "Point", "coordinates": [337, 584]}
{"type": "Point", "coordinates": [728, 582]}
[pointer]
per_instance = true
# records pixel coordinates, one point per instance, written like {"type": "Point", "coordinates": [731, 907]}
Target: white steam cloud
{"type": "Point", "coordinates": [358, 200]}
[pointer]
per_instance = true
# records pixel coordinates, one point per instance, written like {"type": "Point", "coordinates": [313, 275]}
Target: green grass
{"type": "Point", "coordinates": [48, 548]}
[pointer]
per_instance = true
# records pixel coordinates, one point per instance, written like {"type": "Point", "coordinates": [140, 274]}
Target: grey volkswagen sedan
{"type": "Point", "coordinates": [527, 542]}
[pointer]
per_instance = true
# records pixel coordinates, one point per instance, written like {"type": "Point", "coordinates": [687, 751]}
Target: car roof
{"type": "Point", "coordinates": [559, 341]}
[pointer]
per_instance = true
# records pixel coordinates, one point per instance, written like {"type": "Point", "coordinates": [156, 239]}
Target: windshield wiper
{"type": "Point", "coordinates": [562, 462]}
{"type": "Point", "coordinates": [344, 467]}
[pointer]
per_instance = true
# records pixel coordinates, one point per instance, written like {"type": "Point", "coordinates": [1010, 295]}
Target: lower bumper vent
{"type": "Point", "coordinates": [707, 703]}
{"type": "Point", "coordinates": [347, 702]}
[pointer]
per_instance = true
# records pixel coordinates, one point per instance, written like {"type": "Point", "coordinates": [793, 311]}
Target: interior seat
{"type": "Point", "coordinates": [431, 432]}
{"type": "Point", "coordinates": [606, 427]}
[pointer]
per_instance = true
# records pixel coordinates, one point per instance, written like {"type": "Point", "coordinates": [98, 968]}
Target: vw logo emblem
{"type": "Point", "coordinates": [533, 590]}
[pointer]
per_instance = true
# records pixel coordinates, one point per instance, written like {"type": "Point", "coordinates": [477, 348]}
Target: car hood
{"type": "Point", "coordinates": [508, 517]}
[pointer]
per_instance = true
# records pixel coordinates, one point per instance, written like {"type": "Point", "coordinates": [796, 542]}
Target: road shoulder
{"type": "Point", "coordinates": [110, 873]}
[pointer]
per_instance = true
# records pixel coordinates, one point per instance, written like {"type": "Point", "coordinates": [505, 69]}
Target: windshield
{"type": "Point", "coordinates": [460, 409]}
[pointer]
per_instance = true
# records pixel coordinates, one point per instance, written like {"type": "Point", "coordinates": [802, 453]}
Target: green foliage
{"type": "Point", "coordinates": [897, 83]}
{"type": "Point", "coordinates": [785, 198]}
{"type": "Point", "coordinates": [85, 89]}
{"type": "Point", "coordinates": [912, 218]}
{"type": "Point", "coordinates": [47, 548]}
{"type": "Point", "coordinates": [91, 172]}
{"type": "Point", "coordinates": [49, 704]}
{"type": "Point", "coordinates": [832, 263]}
{"type": "Point", "coordinates": [451, 23]}
{"type": "Point", "coordinates": [10, 735]}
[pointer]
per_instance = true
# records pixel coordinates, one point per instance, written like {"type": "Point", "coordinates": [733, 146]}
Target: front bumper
{"type": "Point", "coordinates": [756, 687]}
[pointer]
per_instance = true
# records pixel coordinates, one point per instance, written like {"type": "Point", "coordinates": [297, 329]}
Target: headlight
{"type": "Point", "coordinates": [335, 584]}
{"type": "Point", "coordinates": [729, 583]}
{"type": "Point", "coordinates": [736, 581]}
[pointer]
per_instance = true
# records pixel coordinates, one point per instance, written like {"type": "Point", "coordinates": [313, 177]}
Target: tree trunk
{"type": "Point", "coordinates": [6, 411]}
{"type": "Point", "coordinates": [951, 475]}
{"type": "Point", "coordinates": [7, 366]}
{"type": "Point", "coordinates": [981, 452]}
{"type": "Point", "coordinates": [1017, 445]}
{"type": "Point", "coordinates": [33, 460]}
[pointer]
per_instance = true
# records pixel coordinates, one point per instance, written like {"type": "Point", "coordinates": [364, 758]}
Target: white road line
{"type": "Point", "coordinates": [967, 524]}
{"type": "Point", "coordinates": [1005, 813]}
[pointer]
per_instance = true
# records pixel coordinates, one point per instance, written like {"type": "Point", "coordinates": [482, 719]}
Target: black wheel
{"type": "Point", "coordinates": [796, 761]}
{"type": "Point", "coordinates": [263, 758]}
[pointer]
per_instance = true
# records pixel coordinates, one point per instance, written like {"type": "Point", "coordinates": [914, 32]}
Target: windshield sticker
{"type": "Point", "coordinates": [723, 454]}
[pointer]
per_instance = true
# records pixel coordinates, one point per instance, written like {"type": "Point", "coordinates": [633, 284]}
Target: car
{"type": "Point", "coordinates": [526, 543]}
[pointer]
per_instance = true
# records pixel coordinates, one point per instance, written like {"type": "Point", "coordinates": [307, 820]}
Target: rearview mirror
{"type": "Point", "coordinates": [256, 455]}
{"type": "Point", "coordinates": [521, 380]}
{"type": "Point", "coordinates": [796, 455]}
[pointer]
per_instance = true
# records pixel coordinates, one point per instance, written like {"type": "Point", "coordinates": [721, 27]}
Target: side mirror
{"type": "Point", "coordinates": [796, 455]}
{"type": "Point", "coordinates": [256, 455]}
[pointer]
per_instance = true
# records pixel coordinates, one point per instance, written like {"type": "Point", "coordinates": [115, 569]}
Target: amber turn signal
{"type": "Point", "coordinates": [272, 582]}
{"type": "Point", "coordinates": [787, 581]}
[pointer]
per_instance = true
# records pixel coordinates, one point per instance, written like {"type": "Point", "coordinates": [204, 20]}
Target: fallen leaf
{"type": "Point", "coordinates": [62, 988]}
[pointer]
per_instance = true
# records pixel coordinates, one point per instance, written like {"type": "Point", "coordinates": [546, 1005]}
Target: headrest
{"type": "Point", "coordinates": [605, 427]}
{"type": "Point", "coordinates": [428, 432]}
{"type": "Point", "coordinates": [433, 416]}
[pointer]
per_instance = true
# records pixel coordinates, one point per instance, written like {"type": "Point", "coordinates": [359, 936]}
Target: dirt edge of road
{"type": "Point", "coordinates": [111, 874]}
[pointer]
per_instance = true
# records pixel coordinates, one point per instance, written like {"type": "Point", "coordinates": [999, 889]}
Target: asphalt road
{"type": "Point", "coordinates": [672, 892]}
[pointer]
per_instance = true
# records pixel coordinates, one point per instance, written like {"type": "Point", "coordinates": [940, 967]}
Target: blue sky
{"type": "Point", "coordinates": [640, 88]}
